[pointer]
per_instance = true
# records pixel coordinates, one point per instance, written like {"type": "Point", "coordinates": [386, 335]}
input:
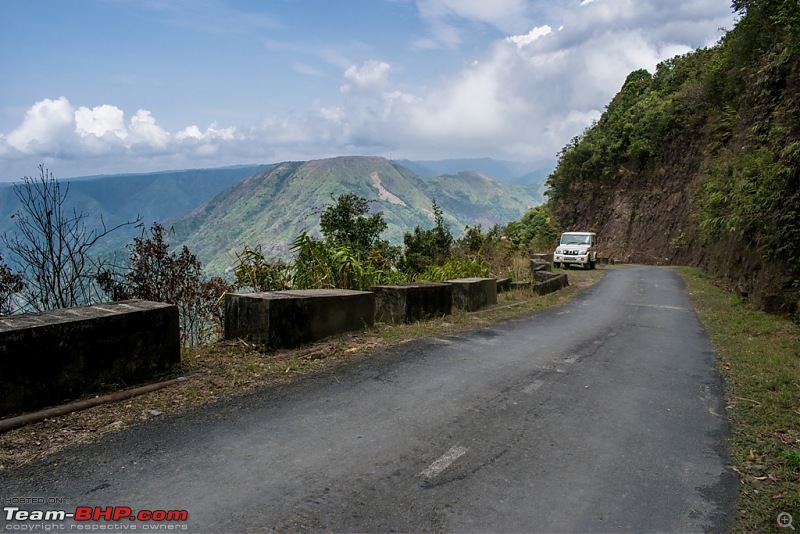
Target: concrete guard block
{"type": "Point", "coordinates": [538, 265]}
{"type": "Point", "coordinates": [544, 276]}
{"type": "Point", "coordinates": [60, 355]}
{"type": "Point", "coordinates": [474, 293]}
{"type": "Point", "coordinates": [287, 319]}
{"type": "Point", "coordinates": [551, 284]}
{"type": "Point", "coordinates": [407, 303]}
{"type": "Point", "coordinates": [503, 284]}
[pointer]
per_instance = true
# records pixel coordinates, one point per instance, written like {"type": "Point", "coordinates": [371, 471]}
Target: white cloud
{"type": "Point", "coordinates": [45, 127]}
{"type": "Point", "coordinates": [371, 76]}
{"type": "Point", "coordinates": [531, 36]}
{"type": "Point", "coordinates": [100, 120]}
{"type": "Point", "coordinates": [144, 130]}
{"type": "Point", "coordinates": [523, 98]}
{"type": "Point", "coordinates": [211, 133]}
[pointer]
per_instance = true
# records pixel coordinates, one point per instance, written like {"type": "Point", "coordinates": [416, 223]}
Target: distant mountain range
{"type": "Point", "coordinates": [271, 208]}
{"type": "Point", "coordinates": [114, 199]}
{"type": "Point", "coordinates": [511, 172]}
{"type": "Point", "coordinates": [216, 212]}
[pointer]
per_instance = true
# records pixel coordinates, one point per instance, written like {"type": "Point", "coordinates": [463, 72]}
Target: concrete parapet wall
{"type": "Point", "coordinates": [551, 285]}
{"type": "Point", "coordinates": [287, 319]}
{"type": "Point", "coordinates": [544, 276]}
{"type": "Point", "coordinates": [540, 265]}
{"type": "Point", "coordinates": [407, 303]}
{"type": "Point", "coordinates": [60, 355]}
{"type": "Point", "coordinates": [474, 293]}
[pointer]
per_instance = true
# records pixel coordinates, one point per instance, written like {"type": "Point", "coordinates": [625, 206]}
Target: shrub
{"type": "Point", "coordinates": [253, 271]}
{"type": "Point", "coordinates": [155, 274]}
{"type": "Point", "coordinates": [424, 248]}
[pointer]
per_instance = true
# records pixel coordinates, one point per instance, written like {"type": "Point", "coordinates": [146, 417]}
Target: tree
{"type": "Point", "coordinates": [347, 223]}
{"type": "Point", "coordinates": [533, 230]}
{"type": "Point", "coordinates": [52, 246]}
{"type": "Point", "coordinates": [424, 248]}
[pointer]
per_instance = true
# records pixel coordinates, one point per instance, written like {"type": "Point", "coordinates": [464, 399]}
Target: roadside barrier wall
{"type": "Point", "coordinates": [474, 293]}
{"type": "Point", "coordinates": [47, 358]}
{"type": "Point", "coordinates": [61, 355]}
{"type": "Point", "coordinates": [407, 303]}
{"type": "Point", "coordinates": [287, 319]}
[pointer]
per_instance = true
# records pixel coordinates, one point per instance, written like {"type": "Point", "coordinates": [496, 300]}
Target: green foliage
{"type": "Point", "coordinates": [534, 230]}
{"type": "Point", "coordinates": [253, 271]}
{"type": "Point", "coordinates": [154, 273]}
{"type": "Point", "coordinates": [319, 265]}
{"type": "Point", "coordinates": [754, 196]}
{"type": "Point", "coordinates": [270, 208]}
{"type": "Point", "coordinates": [346, 224]}
{"type": "Point", "coordinates": [454, 268]}
{"type": "Point", "coordinates": [424, 248]}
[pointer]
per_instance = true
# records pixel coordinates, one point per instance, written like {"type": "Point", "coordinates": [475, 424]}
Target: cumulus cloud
{"type": "Point", "coordinates": [371, 76]}
{"type": "Point", "coordinates": [56, 130]}
{"type": "Point", "coordinates": [46, 126]}
{"type": "Point", "coordinates": [100, 121]}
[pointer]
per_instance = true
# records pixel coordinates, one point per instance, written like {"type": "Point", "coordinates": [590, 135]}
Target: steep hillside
{"type": "Point", "coordinates": [157, 196]}
{"type": "Point", "coordinates": [699, 163]}
{"type": "Point", "coordinates": [271, 208]}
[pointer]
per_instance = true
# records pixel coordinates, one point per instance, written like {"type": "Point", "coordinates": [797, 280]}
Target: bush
{"type": "Point", "coordinates": [155, 274]}
{"type": "Point", "coordinates": [253, 271]}
{"type": "Point", "coordinates": [424, 248]}
{"type": "Point", "coordinates": [320, 265]}
{"type": "Point", "coordinates": [453, 269]}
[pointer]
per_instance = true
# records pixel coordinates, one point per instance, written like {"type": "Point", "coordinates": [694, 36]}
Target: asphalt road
{"type": "Point", "coordinates": [604, 415]}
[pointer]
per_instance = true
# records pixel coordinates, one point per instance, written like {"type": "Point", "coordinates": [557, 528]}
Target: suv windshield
{"type": "Point", "coordinates": [575, 239]}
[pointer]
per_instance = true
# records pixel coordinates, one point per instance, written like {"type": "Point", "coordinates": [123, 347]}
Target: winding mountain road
{"type": "Point", "coordinates": [604, 415]}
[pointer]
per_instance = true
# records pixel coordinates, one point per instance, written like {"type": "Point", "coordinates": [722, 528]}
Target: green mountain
{"type": "Point", "coordinates": [271, 208]}
{"type": "Point", "coordinates": [699, 163]}
{"type": "Point", "coordinates": [114, 199]}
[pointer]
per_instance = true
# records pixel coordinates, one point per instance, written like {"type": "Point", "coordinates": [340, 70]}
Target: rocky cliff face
{"type": "Point", "coordinates": [650, 217]}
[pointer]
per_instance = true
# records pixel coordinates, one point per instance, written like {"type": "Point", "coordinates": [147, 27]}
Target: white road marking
{"type": "Point", "coordinates": [533, 387]}
{"type": "Point", "coordinates": [444, 462]}
{"type": "Point", "coordinates": [660, 306]}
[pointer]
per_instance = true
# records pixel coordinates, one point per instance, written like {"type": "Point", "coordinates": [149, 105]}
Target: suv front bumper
{"type": "Point", "coordinates": [566, 258]}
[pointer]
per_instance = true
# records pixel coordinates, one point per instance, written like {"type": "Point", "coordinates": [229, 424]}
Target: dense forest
{"type": "Point", "coordinates": [698, 163]}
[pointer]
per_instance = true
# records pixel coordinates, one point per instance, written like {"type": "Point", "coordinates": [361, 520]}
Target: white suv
{"type": "Point", "coordinates": [576, 248]}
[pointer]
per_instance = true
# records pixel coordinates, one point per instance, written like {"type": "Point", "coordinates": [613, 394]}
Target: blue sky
{"type": "Point", "coordinates": [115, 86]}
